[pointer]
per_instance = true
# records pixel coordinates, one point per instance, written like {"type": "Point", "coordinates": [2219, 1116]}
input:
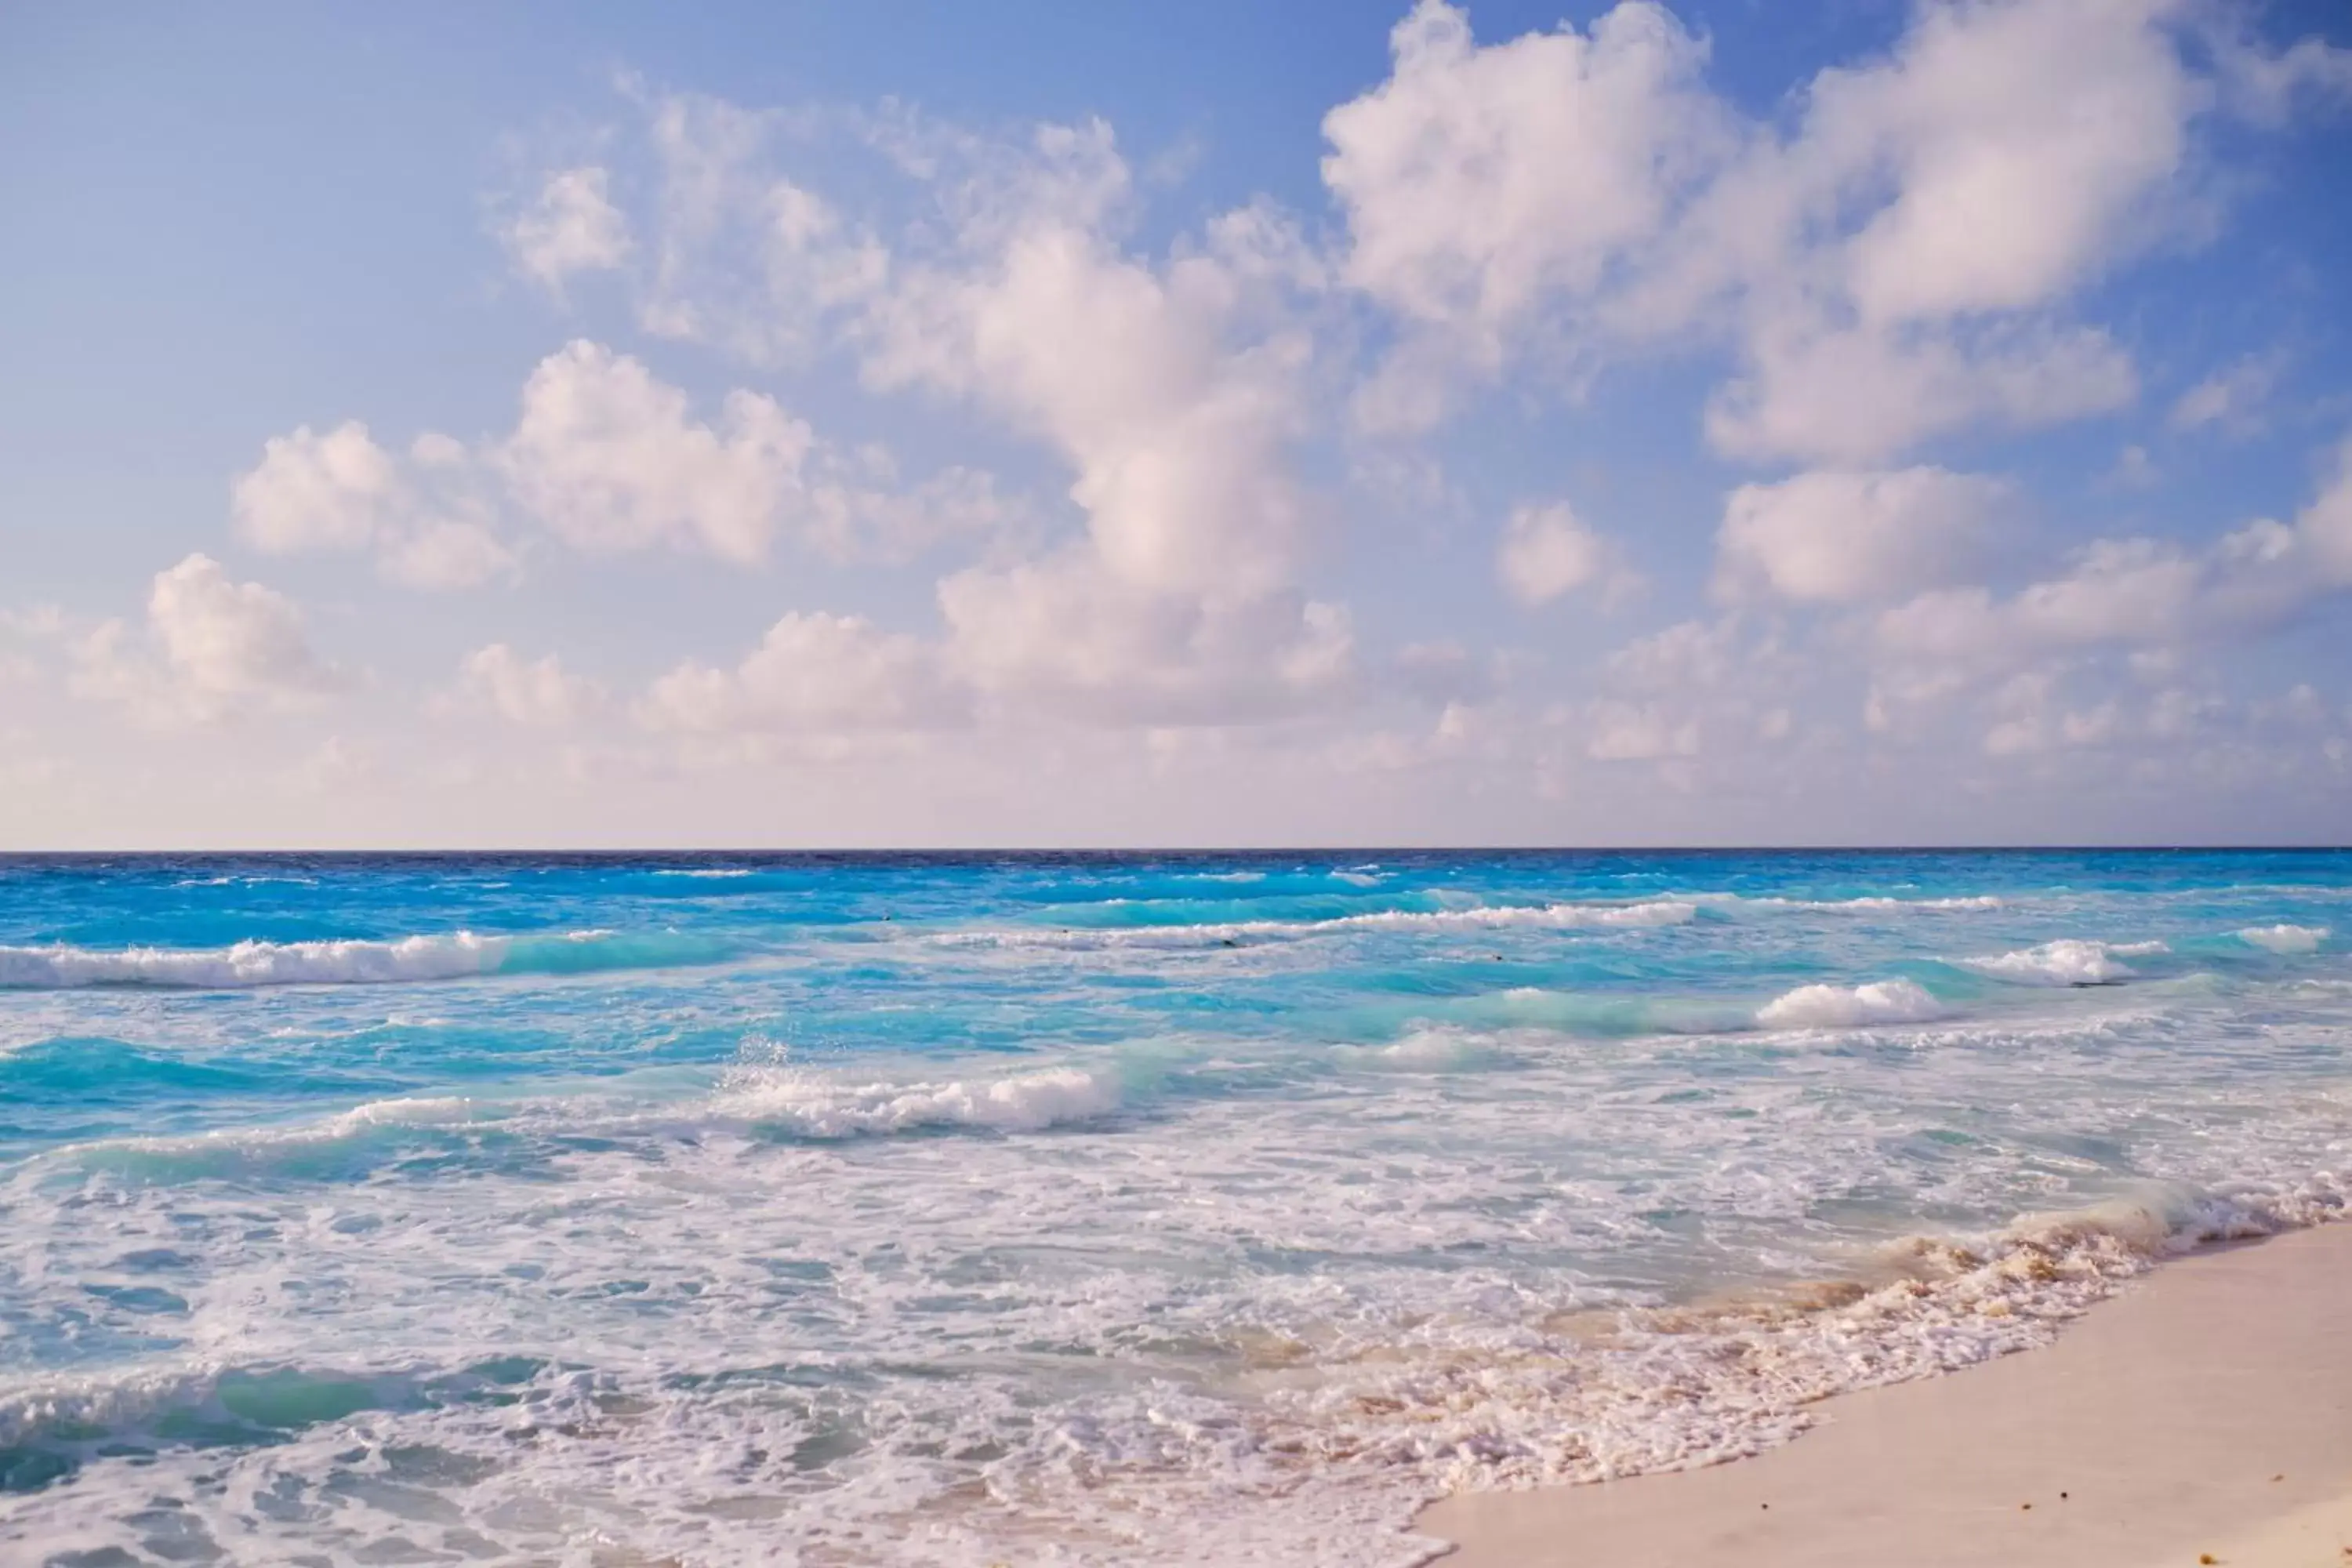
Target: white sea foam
{"type": "Point", "coordinates": [1675, 910]}
{"type": "Point", "coordinates": [254, 963]}
{"type": "Point", "coordinates": [345, 962]}
{"type": "Point", "coordinates": [1494, 917]}
{"type": "Point", "coordinates": [2067, 961]}
{"type": "Point", "coordinates": [1677, 1388]}
{"type": "Point", "coordinates": [1875, 904]}
{"type": "Point", "coordinates": [2285, 939]}
{"type": "Point", "coordinates": [248, 1146]}
{"type": "Point", "coordinates": [1845, 1007]}
{"type": "Point", "coordinates": [817, 1106]}
{"type": "Point", "coordinates": [1430, 1048]}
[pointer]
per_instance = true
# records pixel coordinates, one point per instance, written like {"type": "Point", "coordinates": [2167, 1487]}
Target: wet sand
{"type": "Point", "coordinates": [2202, 1415]}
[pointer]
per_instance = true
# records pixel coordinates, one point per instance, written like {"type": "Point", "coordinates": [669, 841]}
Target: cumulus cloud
{"type": "Point", "coordinates": [1638, 733]}
{"type": "Point", "coordinates": [1893, 266]}
{"type": "Point", "coordinates": [537, 693]}
{"type": "Point", "coordinates": [1479, 183]}
{"type": "Point", "coordinates": [2143, 593]}
{"type": "Point", "coordinates": [1173, 414]}
{"type": "Point", "coordinates": [609, 458]}
{"type": "Point", "coordinates": [1859, 395]}
{"type": "Point", "coordinates": [2232, 398]}
{"type": "Point", "coordinates": [1840, 537]}
{"type": "Point", "coordinates": [1723, 687]}
{"type": "Point", "coordinates": [1066, 636]}
{"type": "Point", "coordinates": [212, 648]}
{"type": "Point", "coordinates": [572, 226]}
{"type": "Point", "coordinates": [812, 674]}
{"type": "Point", "coordinates": [1546, 551]}
{"type": "Point", "coordinates": [745, 257]}
{"type": "Point", "coordinates": [1901, 254]}
{"type": "Point", "coordinates": [339, 491]}
{"type": "Point", "coordinates": [1172, 389]}
{"type": "Point", "coordinates": [2137, 610]}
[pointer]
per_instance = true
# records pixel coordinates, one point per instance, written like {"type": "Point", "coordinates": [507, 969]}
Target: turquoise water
{"type": "Point", "coordinates": [950, 1210]}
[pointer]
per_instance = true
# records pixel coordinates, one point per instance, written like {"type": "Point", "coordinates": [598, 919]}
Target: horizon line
{"type": "Point", "coordinates": [1213, 849]}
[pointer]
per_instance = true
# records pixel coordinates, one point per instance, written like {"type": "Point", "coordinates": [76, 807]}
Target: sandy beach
{"type": "Point", "coordinates": [2202, 1417]}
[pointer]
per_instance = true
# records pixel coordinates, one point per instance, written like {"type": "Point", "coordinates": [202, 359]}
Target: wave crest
{"type": "Point", "coordinates": [816, 1107]}
{"type": "Point", "coordinates": [2067, 961]}
{"type": "Point", "coordinates": [345, 962]}
{"type": "Point", "coordinates": [1847, 1008]}
{"type": "Point", "coordinates": [1235, 933]}
{"type": "Point", "coordinates": [1600, 1393]}
{"type": "Point", "coordinates": [2287, 940]}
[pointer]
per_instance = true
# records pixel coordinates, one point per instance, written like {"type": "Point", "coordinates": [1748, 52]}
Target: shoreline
{"type": "Point", "coordinates": [2204, 1412]}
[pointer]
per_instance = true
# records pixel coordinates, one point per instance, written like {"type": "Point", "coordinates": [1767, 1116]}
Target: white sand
{"type": "Point", "coordinates": [2205, 1413]}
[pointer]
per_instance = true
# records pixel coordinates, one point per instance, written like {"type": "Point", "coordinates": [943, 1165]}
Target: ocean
{"type": "Point", "coordinates": [1200, 1208]}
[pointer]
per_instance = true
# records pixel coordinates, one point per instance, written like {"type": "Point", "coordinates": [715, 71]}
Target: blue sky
{"type": "Point", "coordinates": [1014, 424]}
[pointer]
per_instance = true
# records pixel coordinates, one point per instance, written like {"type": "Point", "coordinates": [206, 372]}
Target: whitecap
{"type": "Point", "coordinates": [2285, 939]}
{"type": "Point", "coordinates": [346, 961]}
{"type": "Point", "coordinates": [249, 963]}
{"type": "Point", "coordinates": [1843, 1008]}
{"type": "Point", "coordinates": [1874, 904]}
{"type": "Point", "coordinates": [815, 1106]}
{"type": "Point", "coordinates": [1650, 914]}
{"type": "Point", "coordinates": [2067, 961]}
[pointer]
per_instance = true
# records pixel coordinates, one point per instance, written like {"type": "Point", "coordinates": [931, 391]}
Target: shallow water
{"type": "Point", "coordinates": [950, 1210]}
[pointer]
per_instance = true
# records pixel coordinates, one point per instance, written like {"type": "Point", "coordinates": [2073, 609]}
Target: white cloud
{"type": "Point", "coordinates": [341, 491]}
{"type": "Point", "coordinates": [1840, 537]}
{"type": "Point", "coordinates": [744, 259]}
{"type": "Point", "coordinates": [572, 226]}
{"type": "Point", "coordinates": [812, 674]}
{"type": "Point", "coordinates": [1546, 552]}
{"type": "Point", "coordinates": [2232, 397]}
{"type": "Point", "coordinates": [313, 491]}
{"type": "Point", "coordinates": [1480, 182]}
{"type": "Point", "coordinates": [2143, 593]}
{"type": "Point", "coordinates": [2323, 531]}
{"type": "Point", "coordinates": [2127, 590]}
{"type": "Point", "coordinates": [1894, 267]}
{"type": "Point", "coordinates": [608, 459]}
{"type": "Point", "coordinates": [212, 648]}
{"type": "Point", "coordinates": [446, 553]}
{"type": "Point", "coordinates": [1638, 733]}
{"type": "Point", "coordinates": [1172, 413]}
{"type": "Point", "coordinates": [2140, 611]}
{"type": "Point", "coordinates": [2020, 139]}
{"type": "Point", "coordinates": [537, 693]}
{"type": "Point", "coordinates": [1068, 638]}
{"type": "Point", "coordinates": [1860, 395]}
{"type": "Point", "coordinates": [2266, 85]}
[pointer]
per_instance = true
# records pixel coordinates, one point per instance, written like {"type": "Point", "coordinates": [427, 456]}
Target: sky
{"type": "Point", "coordinates": [1013, 423]}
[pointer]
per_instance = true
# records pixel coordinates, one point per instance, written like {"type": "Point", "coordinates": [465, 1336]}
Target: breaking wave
{"type": "Point", "coordinates": [1598, 1395]}
{"type": "Point", "coordinates": [350, 961]}
{"type": "Point", "coordinates": [1875, 904]}
{"type": "Point", "coordinates": [1846, 1007]}
{"type": "Point", "coordinates": [1669, 910]}
{"type": "Point", "coordinates": [813, 1106]}
{"type": "Point", "coordinates": [1554, 917]}
{"type": "Point", "coordinates": [2067, 961]}
{"type": "Point", "coordinates": [2285, 939]}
